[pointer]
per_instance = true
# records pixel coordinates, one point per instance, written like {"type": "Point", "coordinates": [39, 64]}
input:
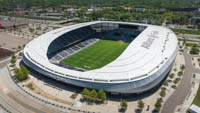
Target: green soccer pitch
{"type": "Point", "coordinates": [96, 55]}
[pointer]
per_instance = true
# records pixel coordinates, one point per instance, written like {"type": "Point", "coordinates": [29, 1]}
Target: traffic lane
{"type": "Point", "coordinates": [25, 97]}
{"type": "Point", "coordinates": [27, 106]}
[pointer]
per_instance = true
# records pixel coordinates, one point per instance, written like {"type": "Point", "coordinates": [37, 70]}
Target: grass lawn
{"type": "Point", "coordinates": [187, 40]}
{"type": "Point", "coordinates": [96, 55]}
{"type": "Point", "coordinates": [185, 31]}
{"type": "Point", "coordinates": [196, 100]}
{"type": "Point", "coordinates": [191, 44]}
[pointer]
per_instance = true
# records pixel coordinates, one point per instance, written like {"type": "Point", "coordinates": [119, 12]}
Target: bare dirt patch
{"type": "Point", "coordinates": [11, 41]}
{"type": "Point", "coordinates": [37, 90]}
{"type": "Point", "coordinates": [4, 53]}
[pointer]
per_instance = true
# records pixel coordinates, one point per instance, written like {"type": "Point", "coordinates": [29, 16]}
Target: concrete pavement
{"type": "Point", "coordinates": [184, 87]}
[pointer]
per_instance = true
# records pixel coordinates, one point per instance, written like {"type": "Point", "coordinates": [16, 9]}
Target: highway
{"type": "Point", "coordinates": [184, 87]}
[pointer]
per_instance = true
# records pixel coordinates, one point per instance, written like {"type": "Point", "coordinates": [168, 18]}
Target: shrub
{"type": "Point", "coordinates": [194, 75]}
{"type": "Point", "coordinates": [30, 86]}
{"type": "Point", "coordinates": [19, 47]}
{"type": "Point", "coordinates": [194, 49]}
{"type": "Point", "coordinates": [13, 60]}
{"type": "Point", "coordinates": [24, 46]}
{"type": "Point", "coordinates": [74, 95]}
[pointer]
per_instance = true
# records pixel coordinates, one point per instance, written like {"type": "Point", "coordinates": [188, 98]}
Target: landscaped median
{"type": "Point", "coordinates": [93, 96]}
{"type": "Point", "coordinates": [186, 31]}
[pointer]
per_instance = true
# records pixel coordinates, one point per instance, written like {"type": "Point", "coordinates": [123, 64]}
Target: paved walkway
{"type": "Point", "coordinates": [189, 99]}
{"type": "Point", "coordinates": [184, 87]}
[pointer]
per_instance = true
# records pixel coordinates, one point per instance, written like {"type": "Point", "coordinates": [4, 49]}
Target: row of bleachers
{"type": "Point", "coordinates": [121, 34]}
{"type": "Point", "coordinates": [56, 58]}
{"type": "Point", "coordinates": [70, 38]}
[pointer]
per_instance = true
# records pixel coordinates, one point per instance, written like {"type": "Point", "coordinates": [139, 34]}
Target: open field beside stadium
{"type": "Point", "coordinates": [96, 55]}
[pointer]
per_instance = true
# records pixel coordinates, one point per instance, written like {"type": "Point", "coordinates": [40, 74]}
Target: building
{"type": "Point", "coordinates": [140, 9]}
{"type": "Point", "coordinates": [142, 66]}
{"type": "Point", "coordinates": [194, 109]}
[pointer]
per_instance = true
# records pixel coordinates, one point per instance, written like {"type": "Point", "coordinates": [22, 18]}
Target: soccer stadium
{"type": "Point", "coordinates": [118, 57]}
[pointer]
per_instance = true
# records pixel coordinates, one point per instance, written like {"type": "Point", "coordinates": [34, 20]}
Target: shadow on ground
{"type": "Point", "coordinates": [113, 97]}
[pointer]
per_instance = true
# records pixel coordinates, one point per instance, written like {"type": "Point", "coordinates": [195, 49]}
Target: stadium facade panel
{"type": "Point", "coordinates": [142, 66]}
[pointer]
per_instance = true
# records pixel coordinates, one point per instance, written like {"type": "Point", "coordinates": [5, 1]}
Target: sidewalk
{"type": "Point", "coordinates": [190, 97]}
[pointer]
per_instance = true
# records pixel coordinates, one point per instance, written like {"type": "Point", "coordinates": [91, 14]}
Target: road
{"type": "Point", "coordinates": [4, 63]}
{"type": "Point", "coordinates": [184, 87]}
{"type": "Point", "coordinates": [13, 99]}
{"type": "Point", "coordinates": [189, 36]}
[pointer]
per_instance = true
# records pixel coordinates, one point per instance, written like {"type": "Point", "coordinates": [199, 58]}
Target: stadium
{"type": "Point", "coordinates": [118, 57]}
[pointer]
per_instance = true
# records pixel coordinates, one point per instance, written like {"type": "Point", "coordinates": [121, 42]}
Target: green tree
{"type": "Point", "coordinates": [171, 75]}
{"type": "Point", "coordinates": [176, 81]}
{"type": "Point", "coordinates": [93, 93]}
{"type": "Point", "coordinates": [165, 83]}
{"type": "Point", "coordinates": [124, 105]}
{"type": "Point", "coordinates": [162, 93]}
{"type": "Point", "coordinates": [20, 75]}
{"type": "Point", "coordinates": [101, 95]}
{"type": "Point", "coordinates": [180, 73]}
{"type": "Point", "coordinates": [13, 61]}
{"type": "Point", "coordinates": [13, 57]}
{"type": "Point", "coordinates": [182, 67]}
{"type": "Point", "coordinates": [25, 71]}
{"type": "Point", "coordinates": [141, 104]}
{"type": "Point", "coordinates": [85, 92]}
{"type": "Point", "coordinates": [16, 70]}
{"type": "Point", "coordinates": [158, 105]}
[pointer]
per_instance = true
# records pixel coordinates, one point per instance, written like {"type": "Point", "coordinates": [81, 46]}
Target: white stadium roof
{"type": "Point", "coordinates": [146, 54]}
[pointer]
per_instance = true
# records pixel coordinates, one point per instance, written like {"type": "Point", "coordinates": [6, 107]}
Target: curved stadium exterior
{"type": "Point", "coordinates": [142, 65]}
